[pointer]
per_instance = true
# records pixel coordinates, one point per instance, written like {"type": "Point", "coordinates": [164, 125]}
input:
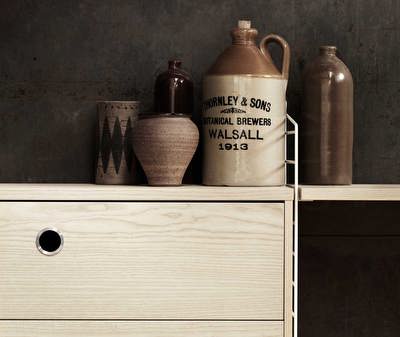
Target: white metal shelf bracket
{"type": "Point", "coordinates": [294, 131]}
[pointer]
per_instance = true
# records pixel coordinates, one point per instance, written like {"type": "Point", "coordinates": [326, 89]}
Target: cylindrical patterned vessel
{"type": "Point", "coordinates": [116, 162]}
{"type": "Point", "coordinates": [326, 122]}
{"type": "Point", "coordinates": [244, 111]}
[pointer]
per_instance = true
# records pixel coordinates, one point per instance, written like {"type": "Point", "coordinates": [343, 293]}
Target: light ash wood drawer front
{"type": "Point", "coordinates": [143, 261]}
{"type": "Point", "coordinates": [139, 329]}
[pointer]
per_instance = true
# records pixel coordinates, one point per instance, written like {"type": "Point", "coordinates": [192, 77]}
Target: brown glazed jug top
{"type": "Point", "coordinates": [244, 56]}
{"type": "Point", "coordinates": [173, 92]}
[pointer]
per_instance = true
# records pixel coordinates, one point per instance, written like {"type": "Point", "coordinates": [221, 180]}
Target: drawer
{"type": "Point", "coordinates": [139, 329]}
{"type": "Point", "coordinates": [123, 260]}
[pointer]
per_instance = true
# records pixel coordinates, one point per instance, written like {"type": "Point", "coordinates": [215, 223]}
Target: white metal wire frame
{"type": "Point", "coordinates": [294, 131]}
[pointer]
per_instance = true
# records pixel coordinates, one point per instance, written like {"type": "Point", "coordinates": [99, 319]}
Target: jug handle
{"type": "Point", "coordinates": [285, 51]}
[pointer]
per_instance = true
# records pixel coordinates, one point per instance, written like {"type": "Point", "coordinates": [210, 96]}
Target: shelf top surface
{"type": "Point", "coordinates": [354, 192]}
{"type": "Point", "coordinates": [91, 192]}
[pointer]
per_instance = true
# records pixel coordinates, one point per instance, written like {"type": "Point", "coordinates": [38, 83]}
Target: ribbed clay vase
{"type": "Point", "coordinates": [164, 145]}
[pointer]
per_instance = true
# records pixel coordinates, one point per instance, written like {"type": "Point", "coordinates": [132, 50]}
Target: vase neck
{"type": "Point", "coordinates": [327, 50]}
{"type": "Point", "coordinates": [174, 64]}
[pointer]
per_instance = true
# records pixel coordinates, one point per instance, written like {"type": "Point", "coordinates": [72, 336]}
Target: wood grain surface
{"type": "Point", "coordinates": [142, 329]}
{"type": "Point", "coordinates": [143, 261]}
{"type": "Point", "coordinates": [288, 293]}
{"type": "Point", "coordinates": [350, 192]}
{"type": "Point", "coordinates": [89, 192]}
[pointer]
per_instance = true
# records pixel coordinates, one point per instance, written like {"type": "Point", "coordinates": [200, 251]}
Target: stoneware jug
{"type": "Point", "coordinates": [326, 121]}
{"type": "Point", "coordinates": [244, 111]}
{"type": "Point", "coordinates": [165, 145]}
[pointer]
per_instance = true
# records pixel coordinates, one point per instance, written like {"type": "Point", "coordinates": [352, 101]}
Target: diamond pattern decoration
{"type": "Point", "coordinates": [116, 144]}
{"type": "Point", "coordinates": [128, 148]}
{"type": "Point", "coordinates": [105, 146]}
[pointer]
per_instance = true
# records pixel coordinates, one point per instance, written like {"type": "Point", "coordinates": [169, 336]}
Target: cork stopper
{"type": "Point", "coordinates": [244, 24]}
{"type": "Point", "coordinates": [243, 34]}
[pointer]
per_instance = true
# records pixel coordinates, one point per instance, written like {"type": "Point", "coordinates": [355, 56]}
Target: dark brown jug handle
{"type": "Point", "coordinates": [285, 51]}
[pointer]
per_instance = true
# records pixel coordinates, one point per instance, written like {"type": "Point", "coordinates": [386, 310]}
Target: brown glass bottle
{"type": "Point", "coordinates": [326, 129]}
{"type": "Point", "coordinates": [173, 92]}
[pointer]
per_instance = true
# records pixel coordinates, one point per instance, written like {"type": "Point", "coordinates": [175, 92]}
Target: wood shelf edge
{"type": "Point", "coordinates": [355, 192]}
{"type": "Point", "coordinates": [92, 192]}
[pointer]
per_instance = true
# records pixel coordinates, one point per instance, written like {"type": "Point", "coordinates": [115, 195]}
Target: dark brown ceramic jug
{"type": "Point", "coordinates": [326, 123]}
{"type": "Point", "coordinates": [173, 92]}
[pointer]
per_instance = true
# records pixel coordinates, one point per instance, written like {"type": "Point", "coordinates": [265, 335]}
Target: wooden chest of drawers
{"type": "Point", "coordinates": [142, 261]}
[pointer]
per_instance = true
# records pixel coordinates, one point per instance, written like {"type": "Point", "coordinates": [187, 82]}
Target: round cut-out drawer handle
{"type": "Point", "coordinates": [49, 241]}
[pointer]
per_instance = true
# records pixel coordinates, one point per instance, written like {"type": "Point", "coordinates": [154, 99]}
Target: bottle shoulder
{"type": "Point", "coordinates": [178, 74]}
{"type": "Point", "coordinates": [246, 60]}
{"type": "Point", "coordinates": [327, 66]}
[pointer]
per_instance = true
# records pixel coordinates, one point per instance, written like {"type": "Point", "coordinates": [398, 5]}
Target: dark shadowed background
{"type": "Point", "coordinates": [57, 58]}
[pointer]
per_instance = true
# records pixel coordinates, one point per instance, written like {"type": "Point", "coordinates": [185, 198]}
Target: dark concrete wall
{"type": "Point", "coordinates": [58, 57]}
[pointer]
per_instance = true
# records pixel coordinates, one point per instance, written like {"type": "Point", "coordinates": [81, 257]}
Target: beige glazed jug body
{"type": "Point", "coordinates": [244, 111]}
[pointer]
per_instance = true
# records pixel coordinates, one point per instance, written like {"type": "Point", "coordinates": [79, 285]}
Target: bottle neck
{"type": "Point", "coordinates": [327, 50]}
{"type": "Point", "coordinates": [244, 36]}
{"type": "Point", "coordinates": [174, 64]}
